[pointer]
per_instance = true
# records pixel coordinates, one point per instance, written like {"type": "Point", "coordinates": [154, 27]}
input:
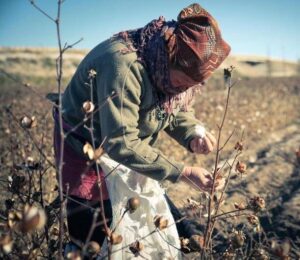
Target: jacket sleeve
{"type": "Point", "coordinates": [119, 124]}
{"type": "Point", "coordinates": [184, 127]}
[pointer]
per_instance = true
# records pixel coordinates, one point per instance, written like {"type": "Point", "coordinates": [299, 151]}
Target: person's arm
{"type": "Point", "coordinates": [119, 124]}
{"type": "Point", "coordinates": [185, 127]}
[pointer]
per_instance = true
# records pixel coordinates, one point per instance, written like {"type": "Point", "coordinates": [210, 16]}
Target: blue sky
{"type": "Point", "coordinates": [256, 27]}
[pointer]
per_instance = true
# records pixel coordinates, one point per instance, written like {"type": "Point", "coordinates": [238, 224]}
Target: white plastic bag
{"type": "Point", "coordinates": [123, 184]}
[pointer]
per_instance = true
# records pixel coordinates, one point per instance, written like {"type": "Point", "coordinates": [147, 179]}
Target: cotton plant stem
{"type": "Point", "coordinates": [227, 182]}
{"type": "Point", "coordinates": [41, 175]}
{"type": "Point", "coordinates": [220, 128]}
{"type": "Point", "coordinates": [159, 233]}
{"type": "Point", "coordinates": [42, 11]}
{"type": "Point", "coordinates": [232, 216]}
{"type": "Point", "coordinates": [228, 212]}
{"type": "Point", "coordinates": [59, 72]}
{"type": "Point", "coordinates": [120, 220]}
{"type": "Point", "coordinates": [222, 195]}
{"type": "Point", "coordinates": [89, 236]}
{"type": "Point", "coordinates": [228, 139]}
{"type": "Point", "coordinates": [73, 129]}
{"type": "Point", "coordinates": [99, 183]}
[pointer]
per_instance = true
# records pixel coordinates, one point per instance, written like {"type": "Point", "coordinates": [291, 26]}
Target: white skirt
{"type": "Point", "coordinates": [123, 184]}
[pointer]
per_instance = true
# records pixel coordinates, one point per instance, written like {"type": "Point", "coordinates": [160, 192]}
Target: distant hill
{"type": "Point", "coordinates": [40, 62]}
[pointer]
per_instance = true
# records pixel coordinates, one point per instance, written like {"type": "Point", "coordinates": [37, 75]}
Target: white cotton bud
{"type": "Point", "coordinates": [200, 131]}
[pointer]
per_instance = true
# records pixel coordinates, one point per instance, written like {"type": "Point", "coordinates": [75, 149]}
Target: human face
{"type": "Point", "coordinates": [180, 80]}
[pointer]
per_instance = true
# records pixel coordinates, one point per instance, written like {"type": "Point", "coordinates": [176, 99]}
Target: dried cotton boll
{"type": "Point", "coordinates": [88, 149]}
{"type": "Point", "coordinates": [6, 243]}
{"type": "Point", "coordinates": [253, 220]}
{"type": "Point", "coordinates": [74, 255]}
{"type": "Point", "coordinates": [33, 218]}
{"type": "Point", "coordinates": [88, 107]}
{"type": "Point", "coordinates": [27, 122]}
{"type": "Point", "coordinates": [29, 160]}
{"type": "Point", "coordinates": [237, 239]}
{"type": "Point", "coordinates": [55, 231]}
{"type": "Point", "coordinates": [184, 245]}
{"type": "Point", "coordinates": [91, 153]}
{"type": "Point", "coordinates": [98, 153]}
{"type": "Point", "coordinates": [239, 146]}
{"type": "Point", "coordinates": [228, 75]}
{"type": "Point", "coordinates": [133, 204]}
{"type": "Point", "coordinates": [259, 254]}
{"type": "Point", "coordinates": [240, 206]}
{"type": "Point", "coordinates": [14, 219]}
{"type": "Point", "coordinates": [196, 242]}
{"type": "Point", "coordinates": [115, 239]}
{"type": "Point", "coordinates": [257, 204]}
{"type": "Point", "coordinates": [136, 247]}
{"type": "Point", "coordinates": [93, 248]}
{"type": "Point", "coordinates": [160, 222]}
{"type": "Point", "coordinates": [184, 242]}
{"type": "Point", "coordinates": [33, 122]}
{"type": "Point", "coordinates": [281, 249]}
{"type": "Point", "coordinates": [92, 74]}
{"type": "Point", "coordinates": [193, 204]}
{"type": "Point", "coordinates": [228, 255]}
{"type": "Point", "coordinates": [241, 167]}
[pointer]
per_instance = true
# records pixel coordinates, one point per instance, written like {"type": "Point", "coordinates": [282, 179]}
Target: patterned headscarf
{"type": "Point", "coordinates": [193, 45]}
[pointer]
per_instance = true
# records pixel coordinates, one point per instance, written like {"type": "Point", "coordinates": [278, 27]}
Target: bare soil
{"type": "Point", "coordinates": [265, 109]}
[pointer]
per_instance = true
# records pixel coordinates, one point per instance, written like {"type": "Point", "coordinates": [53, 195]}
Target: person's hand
{"type": "Point", "coordinates": [198, 177]}
{"type": "Point", "coordinates": [203, 145]}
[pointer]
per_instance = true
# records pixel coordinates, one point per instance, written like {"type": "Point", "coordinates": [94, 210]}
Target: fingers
{"type": "Point", "coordinates": [208, 145]}
{"type": "Point", "coordinates": [203, 145]}
{"type": "Point", "coordinates": [212, 139]}
{"type": "Point", "coordinates": [195, 145]}
{"type": "Point", "coordinates": [200, 145]}
{"type": "Point", "coordinates": [221, 184]}
{"type": "Point", "coordinates": [208, 182]}
{"type": "Point", "coordinates": [208, 176]}
{"type": "Point", "coordinates": [203, 179]}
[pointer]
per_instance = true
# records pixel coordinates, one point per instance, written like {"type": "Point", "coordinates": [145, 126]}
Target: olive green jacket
{"type": "Point", "coordinates": [129, 120]}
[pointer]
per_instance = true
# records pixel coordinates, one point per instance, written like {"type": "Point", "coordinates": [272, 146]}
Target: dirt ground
{"type": "Point", "coordinates": [265, 109]}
